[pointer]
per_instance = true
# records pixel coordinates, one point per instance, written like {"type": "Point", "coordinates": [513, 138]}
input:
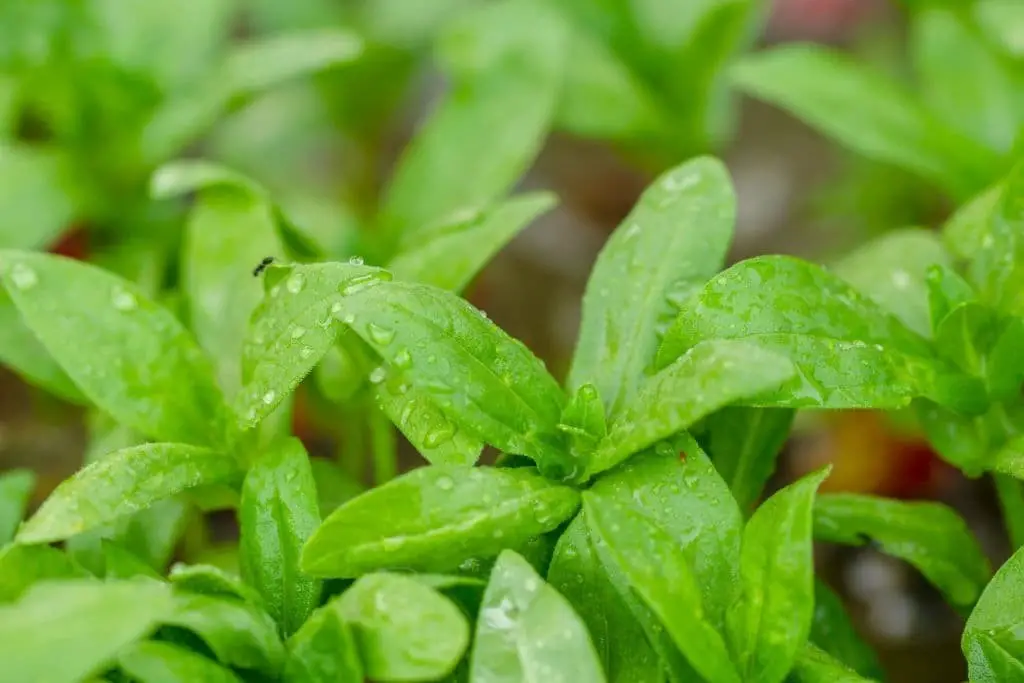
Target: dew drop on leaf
{"type": "Point", "coordinates": [445, 483]}
{"type": "Point", "coordinates": [378, 375]}
{"type": "Point", "coordinates": [295, 283]}
{"type": "Point", "coordinates": [361, 282]}
{"type": "Point", "coordinates": [380, 335]}
{"type": "Point", "coordinates": [298, 332]}
{"type": "Point", "coordinates": [349, 319]}
{"type": "Point", "coordinates": [123, 299]}
{"type": "Point", "coordinates": [441, 432]}
{"type": "Point", "coordinates": [356, 260]}
{"type": "Point", "coordinates": [269, 397]}
{"type": "Point", "coordinates": [23, 276]}
{"type": "Point", "coordinates": [402, 359]}
{"type": "Point", "coordinates": [664, 448]}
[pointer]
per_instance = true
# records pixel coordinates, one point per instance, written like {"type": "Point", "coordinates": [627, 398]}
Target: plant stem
{"type": "Point", "coordinates": [1011, 500]}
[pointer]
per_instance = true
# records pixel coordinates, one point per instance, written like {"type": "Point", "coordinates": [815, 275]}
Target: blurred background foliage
{"type": "Point", "coordinates": [361, 118]}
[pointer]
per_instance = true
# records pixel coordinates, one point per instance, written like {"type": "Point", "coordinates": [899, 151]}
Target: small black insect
{"type": "Point", "coordinates": [262, 266]}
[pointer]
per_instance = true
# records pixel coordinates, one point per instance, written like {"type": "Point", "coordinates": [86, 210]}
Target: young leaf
{"type": "Point", "coordinates": [238, 633]}
{"type": "Point", "coordinates": [583, 420]}
{"type": "Point", "coordinates": [892, 270]}
{"type": "Point", "coordinates": [23, 565]}
{"type": "Point", "coordinates": [833, 632]}
{"type": "Point", "coordinates": [206, 579]}
{"type": "Point", "coordinates": [671, 243]}
{"type": "Point", "coordinates": [814, 665]}
{"type": "Point", "coordinates": [577, 573]}
{"type": "Point", "coordinates": [660, 573]}
{"type": "Point", "coordinates": [129, 356]}
{"type": "Point", "coordinates": [744, 444]}
{"type": "Point", "coordinates": [450, 255]}
{"type": "Point", "coordinates": [848, 353]}
{"type": "Point", "coordinates": [22, 353]}
{"type": "Point", "coordinates": [486, 382]}
{"type": "Point", "coordinates": [964, 231]}
{"type": "Point", "coordinates": [434, 518]}
{"type": "Point", "coordinates": [291, 331]}
{"type": "Point", "coordinates": [996, 268]}
{"type": "Point", "coordinates": [523, 74]}
{"type": "Point", "coordinates": [278, 514]}
{"type": "Point", "coordinates": [827, 91]}
{"type": "Point", "coordinates": [771, 622]}
{"type": "Point", "coordinates": [709, 376]}
{"type": "Point", "coordinates": [324, 650]}
{"type": "Point", "coordinates": [158, 662]}
{"type": "Point", "coordinates": [992, 641]}
{"type": "Point", "coordinates": [930, 536]}
{"type": "Point", "coordinates": [404, 630]}
{"type": "Point", "coordinates": [527, 631]}
{"type": "Point", "coordinates": [93, 621]}
{"type": "Point", "coordinates": [125, 482]}
{"type": "Point", "coordinates": [15, 488]}
{"type": "Point", "coordinates": [38, 200]}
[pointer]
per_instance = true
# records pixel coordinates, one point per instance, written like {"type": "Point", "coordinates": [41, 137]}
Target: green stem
{"type": "Point", "coordinates": [1011, 500]}
{"type": "Point", "coordinates": [385, 447]}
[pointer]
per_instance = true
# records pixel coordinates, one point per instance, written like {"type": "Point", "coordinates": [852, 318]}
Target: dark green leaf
{"type": "Point", "coordinates": [404, 630]}
{"type": "Point", "coordinates": [847, 351]}
{"type": "Point", "coordinates": [131, 357]}
{"type": "Point", "coordinates": [707, 377]}
{"type": "Point", "coordinates": [661, 574]}
{"type": "Point", "coordinates": [206, 579]}
{"type": "Point", "coordinates": [814, 665]}
{"type": "Point", "coordinates": [323, 650]}
{"type": "Point", "coordinates": [123, 564]}
{"type": "Point", "coordinates": [156, 662]}
{"type": "Point", "coordinates": [771, 622]}
{"type": "Point", "coordinates": [833, 632]}
{"type": "Point", "coordinates": [15, 488]}
{"type": "Point", "coordinates": [930, 536]}
{"type": "Point", "coordinates": [334, 485]}
{"type": "Point", "coordinates": [827, 90]}
{"type": "Point", "coordinates": [997, 267]}
{"type": "Point", "coordinates": [278, 514]}
{"type": "Point", "coordinates": [22, 353]}
{"type": "Point", "coordinates": [992, 641]}
{"type": "Point", "coordinates": [434, 518]}
{"type": "Point", "coordinates": [125, 482]}
{"type": "Point", "coordinates": [91, 620]}
{"type": "Point", "coordinates": [23, 565]}
{"type": "Point", "coordinates": [527, 631]}
{"type": "Point", "coordinates": [671, 243]}
{"type": "Point", "coordinates": [38, 199]}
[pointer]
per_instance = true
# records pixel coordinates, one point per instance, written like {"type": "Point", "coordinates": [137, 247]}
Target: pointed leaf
{"type": "Point", "coordinates": [206, 579]}
{"type": "Point", "coordinates": [324, 650]}
{"type": "Point", "coordinates": [158, 662]}
{"type": "Point", "coordinates": [21, 352]}
{"type": "Point", "coordinates": [15, 488]}
{"type": "Point", "coordinates": [996, 268]}
{"type": "Point", "coordinates": [992, 641]}
{"type": "Point", "coordinates": [833, 632]}
{"type": "Point", "coordinates": [814, 665]}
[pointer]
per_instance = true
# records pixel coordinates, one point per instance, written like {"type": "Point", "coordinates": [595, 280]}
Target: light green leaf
{"type": "Point", "coordinates": [129, 356]}
{"type": "Point", "coordinates": [23, 565]}
{"type": "Point", "coordinates": [583, 421]}
{"type": "Point", "coordinates": [1010, 458]}
{"type": "Point", "coordinates": [833, 632]}
{"type": "Point", "coordinates": [158, 662]}
{"type": "Point", "coordinates": [16, 487]}
{"type": "Point", "coordinates": [121, 563]}
{"type": "Point", "coordinates": [814, 665]}
{"type": "Point", "coordinates": [826, 90]}
{"type": "Point", "coordinates": [992, 641]}
{"type": "Point", "coordinates": [527, 631]}
{"type": "Point", "coordinates": [22, 353]}
{"type": "Point", "coordinates": [847, 351]}
{"type": "Point", "coordinates": [892, 270]}
{"type": "Point", "coordinates": [930, 536]}
{"type": "Point", "coordinates": [577, 573]}
{"type": "Point", "coordinates": [472, 128]}
{"type": "Point", "coordinates": [92, 621]}
{"type": "Point", "coordinates": [404, 630]}
{"type": "Point", "coordinates": [239, 634]}
{"type": "Point", "coordinates": [964, 232]}
{"type": "Point", "coordinates": [451, 253]}
{"type": "Point", "coordinates": [772, 620]}
{"type": "Point", "coordinates": [206, 579]}
{"type": "Point", "coordinates": [324, 650]}
{"type": "Point", "coordinates": [997, 267]}
{"type": "Point", "coordinates": [661, 574]}
{"type": "Point", "coordinates": [1003, 22]}
{"type": "Point", "coordinates": [709, 376]}
{"type": "Point", "coordinates": [37, 202]}
{"type": "Point", "coordinates": [671, 243]}
{"type": "Point", "coordinates": [434, 518]}
{"type": "Point", "coordinates": [278, 514]}
{"type": "Point", "coordinates": [947, 290]}
{"type": "Point", "coordinates": [124, 482]}
{"type": "Point", "coordinates": [744, 444]}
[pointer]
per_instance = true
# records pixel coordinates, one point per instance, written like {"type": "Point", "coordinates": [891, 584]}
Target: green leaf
{"type": "Point", "coordinates": [1002, 21]}
{"type": "Point", "coordinates": [486, 382]}
{"type": "Point", "coordinates": [527, 631]}
{"type": "Point", "coordinates": [930, 536]}
{"type": "Point", "coordinates": [23, 565]}
{"type": "Point", "coordinates": [992, 641]}
{"type": "Point", "coordinates": [324, 650]}
{"type": "Point", "coordinates": [434, 518]}
{"type": "Point", "coordinates": [157, 662]}
{"type": "Point", "coordinates": [92, 620]}
{"type": "Point", "coordinates": [827, 91]}
{"type": "Point", "coordinates": [892, 270]}
{"type": "Point", "coordinates": [687, 499]}
{"type": "Point", "coordinates": [404, 630]}
{"type": "Point", "coordinates": [129, 356]}
{"type": "Point", "coordinates": [670, 244]}
{"type": "Point", "coordinates": [238, 633]}
{"type": "Point", "coordinates": [996, 268]}
{"type": "Point", "coordinates": [37, 202]}
{"type": "Point", "coordinates": [1010, 458]}
{"type": "Point", "coordinates": [833, 632]}
{"type": "Point", "coordinates": [278, 514]}
{"type": "Point", "coordinates": [814, 665]}
{"type": "Point", "coordinates": [1010, 493]}
{"type": "Point", "coordinates": [577, 573]}
{"type": "Point", "coordinates": [583, 420]}
{"type": "Point", "coordinates": [744, 444]}
{"type": "Point", "coordinates": [963, 80]}
{"type": "Point", "coordinates": [15, 488]}
{"type": "Point", "coordinates": [230, 230]}
{"type": "Point", "coordinates": [709, 376]}
{"type": "Point", "coordinates": [124, 482]}
{"type": "Point", "coordinates": [291, 331]}
{"type": "Point", "coordinates": [947, 290]}
{"type": "Point", "coordinates": [661, 574]}
{"type": "Point", "coordinates": [121, 563]}
{"type": "Point", "coordinates": [772, 620]}
{"type": "Point", "coordinates": [510, 58]}
{"type": "Point", "coordinates": [847, 351]}
{"type": "Point", "coordinates": [206, 579]}
{"type": "Point", "coordinates": [964, 232]}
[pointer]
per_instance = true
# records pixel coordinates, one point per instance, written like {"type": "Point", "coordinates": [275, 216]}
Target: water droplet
{"type": "Point", "coordinates": [901, 279]}
{"type": "Point", "coordinates": [336, 308]}
{"type": "Point", "coordinates": [378, 375]}
{"type": "Point", "coordinates": [269, 397]}
{"type": "Point", "coordinates": [295, 283]}
{"type": "Point", "coordinates": [356, 260]}
{"type": "Point", "coordinates": [445, 483]}
{"type": "Point", "coordinates": [349, 318]}
{"type": "Point", "coordinates": [531, 585]}
{"type": "Point", "coordinates": [259, 337]}
{"type": "Point", "coordinates": [23, 276]}
{"type": "Point", "coordinates": [502, 617]}
{"type": "Point", "coordinates": [402, 359]}
{"type": "Point", "coordinates": [123, 299]}
{"type": "Point", "coordinates": [664, 448]}
{"type": "Point", "coordinates": [361, 282]}
{"type": "Point", "coordinates": [298, 332]}
{"type": "Point", "coordinates": [306, 351]}
{"type": "Point", "coordinates": [440, 433]}
{"type": "Point", "coordinates": [380, 335]}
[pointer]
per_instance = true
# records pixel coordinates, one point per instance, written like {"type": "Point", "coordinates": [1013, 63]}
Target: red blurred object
{"type": "Point", "coordinates": [818, 19]}
{"type": "Point", "coordinates": [74, 243]}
